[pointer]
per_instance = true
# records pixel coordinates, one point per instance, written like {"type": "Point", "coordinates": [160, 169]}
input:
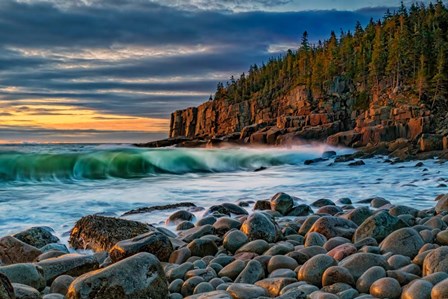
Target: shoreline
{"type": "Point", "coordinates": [283, 248]}
{"type": "Point", "coordinates": [401, 149]}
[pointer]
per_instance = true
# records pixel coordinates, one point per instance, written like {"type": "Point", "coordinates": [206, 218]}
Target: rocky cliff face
{"type": "Point", "coordinates": [334, 116]}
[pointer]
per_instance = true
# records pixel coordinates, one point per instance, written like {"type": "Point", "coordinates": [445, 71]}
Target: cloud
{"type": "Point", "coordinates": [145, 58]}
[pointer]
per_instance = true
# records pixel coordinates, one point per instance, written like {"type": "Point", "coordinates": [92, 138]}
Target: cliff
{"type": "Point", "coordinates": [381, 83]}
{"type": "Point", "coordinates": [334, 117]}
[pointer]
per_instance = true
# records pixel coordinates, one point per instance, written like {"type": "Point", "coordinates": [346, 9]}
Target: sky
{"type": "Point", "coordinates": [114, 70]}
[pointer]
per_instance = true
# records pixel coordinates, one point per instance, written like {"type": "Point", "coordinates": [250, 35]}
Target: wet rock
{"type": "Point", "coordinates": [417, 289]}
{"type": "Point", "coordinates": [49, 254]}
{"type": "Point", "coordinates": [154, 242]}
{"type": "Point", "coordinates": [313, 270]}
{"type": "Point", "coordinates": [330, 210]}
{"type": "Point", "coordinates": [256, 246]}
{"type": "Point", "coordinates": [233, 240]}
{"type": "Point", "coordinates": [196, 232]}
{"type": "Point", "coordinates": [282, 203]}
{"type": "Point", "coordinates": [359, 263]}
{"type": "Point", "coordinates": [262, 205]}
{"type": "Point", "coordinates": [217, 210]}
{"type": "Point", "coordinates": [336, 274]}
{"type": "Point", "coordinates": [442, 237]}
{"type": "Point", "coordinates": [378, 202]}
{"type": "Point", "coordinates": [314, 239]}
{"type": "Point", "coordinates": [224, 224]}
{"type": "Point", "coordinates": [358, 215]}
{"type": "Point", "coordinates": [280, 248]}
{"type": "Point", "coordinates": [335, 242]}
{"type": "Point", "coordinates": [442, 203]}
{"type": "Point", "coordinates": [259, 226]}
{"type": "Point", "coordinates": [160, 208]}
{"type": "Point", "coordinates": [54, 246]}
{"type": "Point", "coordinates": [246, 291]}
{"type": "Point", "coordinates": [27, 274]}
{"type": "Point", "coordinates": [281, 262]}
{"type": "Point", "coordinates": [331, 227]}
{"type": "Point", "coordinates": [6, 288]}
{"type": "Point", "coordinates": [344, 201]}
{"type": "Point", "coordinates": [212, 295]}
{"type": "Point", "coordinates": [440, 290]}
{"type": "Point", "coordinates": [405, 241]}
{"type": "Point", "coordinates": [282, 273]}
{"type": "Point", "coordinates": [69, 264]}
{"type": "Point", "coordinates": [378, 226]}
{"type": "Point", "coordinates": [190, 284]}
{"type": "Point", "coordinates": [235, 209]}
{"type": "Point", "coordinates": [184, 225]}
{"type": "Point", "coordinates": [175, 286]}
{"type": "Point", "coordinates": [397, 261]}
{"type": "Point", "coordinates": [22, 291]}
{"type": "Point", "coordinates": [178, 272]}
{"type": "Point", "coordinates": [323, 202]}
{"type": "Point", "coordinates": [252, 273]}
{"type": "Point", "coordinates": [202, 247]}
{"type": "Point", "coordinates": [273, 286]}
{"type": "Point", "coordinates": [207, 274]}
{"type": "Point", "coordinates": [144, 275]}
{"type": "Point", "coordinates": [328, 154]}
{"type": "Point", "coordinates": [101, 233]}
{"type": "Point", "coordinates": [61, 284]}
{"type": "Point", "coordinates": [403, 210]}
{"type": "Point", "coordinates": [357, 163]}
{"type": "Point", "coordinates": [386, 288]}
{"type": "Point", "coordinates": [203, 287]}
{"type": "Point", "coordinates": [300, 210]}
{"type": "Point", "coordinates": [223, 260]}
{"type": "Point", "coordinates": [37, 236]}
{"type": "Point", "coordinates": [209, 220]}
{"type": "Point", "coordinates": [180, 255]}
{"type": "Point", "coordinates": [307, 224]}
{"type": "Point", "coordinates": [342, 251]}
{"type": "Point", "coordinates": [369, 277]}
{"type": "Point", "coordinates": [14, 251]}
{"type": "Point", "coordinates": [436, 261]}
{"type": "Point", "coordinates": [179, 216]}
{"type": "Point", "coordinates": [233, 269]}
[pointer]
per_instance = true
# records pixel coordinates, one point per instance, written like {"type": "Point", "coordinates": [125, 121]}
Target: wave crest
{"type": "Point", "coordinates": [134, 163]}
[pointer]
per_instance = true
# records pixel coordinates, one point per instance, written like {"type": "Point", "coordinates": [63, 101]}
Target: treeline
{"type": "Point", "coordinates": [408, 47]}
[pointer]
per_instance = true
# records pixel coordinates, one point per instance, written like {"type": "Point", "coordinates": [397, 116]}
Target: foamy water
{"type": "Point", "coordinates": [55, 185]}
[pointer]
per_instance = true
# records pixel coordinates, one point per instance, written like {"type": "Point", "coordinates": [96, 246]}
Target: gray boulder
{"type": "Point", "coordinates": [154, 242]}
{"type": "Point", "coordinates": [6, 288]}
{"type": "Point", "coordinates": [436, 261]}
{"type": "Point", "coordinates": [331, 227]}
{"type": "Point", "coordinates": [101, 233]}
{"type": "Point", "coordinates": [69, 264]}
{"type": "Point", "coordinates": [378, 226]}
{"type": "Point", "coordinates": [282, 203]}
{"type": "Point", "coordinates": [27, 274]}
{"type": "Point", "coordinates": [405, 241]}
{"type": "Point", "coordinates": [138, 276]}
{"type": "Point", "coordinates": [37, 236]}
{"type": "Point", "coordinates": [13, 251]}
{"type": "Point", "coordinates": [259, 226]}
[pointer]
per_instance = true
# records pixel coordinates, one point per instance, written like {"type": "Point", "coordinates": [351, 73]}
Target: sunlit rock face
{"type": "Point", "coordinates": [301, 114]}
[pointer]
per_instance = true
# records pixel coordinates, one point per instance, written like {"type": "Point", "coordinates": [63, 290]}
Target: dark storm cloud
{"type": "Point", "coordinates": [142, 58]}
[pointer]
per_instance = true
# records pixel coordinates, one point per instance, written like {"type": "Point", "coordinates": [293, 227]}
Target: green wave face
{"type": "Point", "coordinates": [134, 163]}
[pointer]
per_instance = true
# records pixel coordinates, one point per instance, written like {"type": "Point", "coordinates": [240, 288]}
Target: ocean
{"type": "Point", "coordinates": [55, 185]}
